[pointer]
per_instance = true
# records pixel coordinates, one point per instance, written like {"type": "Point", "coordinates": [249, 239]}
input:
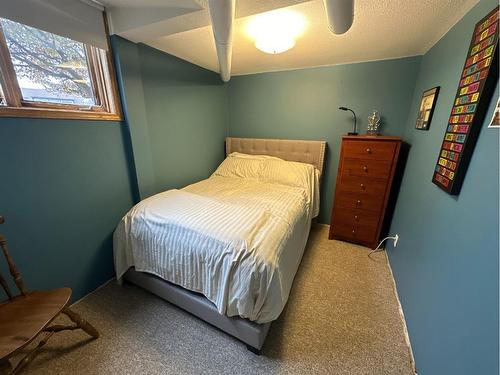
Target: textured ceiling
{"type": "Point", "coordinates": [382, 29]}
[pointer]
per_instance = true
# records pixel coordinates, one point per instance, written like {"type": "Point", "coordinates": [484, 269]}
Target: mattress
{"type": "Point", "coordinates": [238, 241]}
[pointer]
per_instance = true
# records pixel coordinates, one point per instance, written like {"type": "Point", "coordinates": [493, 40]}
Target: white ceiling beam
{"type": "Point", "coordinates": [222, 18]}
{"type": "Point", "coordinates": [143, 25]}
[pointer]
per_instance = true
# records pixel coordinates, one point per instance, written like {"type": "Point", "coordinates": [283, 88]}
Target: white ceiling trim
{"type": "Point", "coordinates": [325, 65]}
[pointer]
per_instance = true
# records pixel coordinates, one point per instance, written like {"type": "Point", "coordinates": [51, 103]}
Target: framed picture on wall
{"type": "Point", "coordinates": [495, 120]}
{"type": "Point", "coordinates": [427, 104]}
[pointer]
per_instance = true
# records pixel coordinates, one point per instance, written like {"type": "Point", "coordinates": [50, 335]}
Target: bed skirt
{"type": "Point", "coordinates": [250, 333]}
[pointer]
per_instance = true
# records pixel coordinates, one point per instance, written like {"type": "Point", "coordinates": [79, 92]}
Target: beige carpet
{"type": "Point", "coordinates": [342, 318]}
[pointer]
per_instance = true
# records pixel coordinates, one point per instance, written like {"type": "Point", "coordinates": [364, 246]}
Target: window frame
{"type": "Point", "coordinates": [103, 81]}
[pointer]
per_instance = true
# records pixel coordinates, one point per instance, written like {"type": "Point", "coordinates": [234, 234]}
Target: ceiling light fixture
{"type": "Point", "coordinates": [276, 31]}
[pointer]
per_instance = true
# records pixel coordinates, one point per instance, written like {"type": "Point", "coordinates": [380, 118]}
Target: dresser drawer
{"type": "Point", "coordinates": [369, 150]}
{"type": "Point", "coordinates": [355, 200]}
{"type": "Point", "coordinates": [355, 232]}
{"type": "Point", "coordinates": [367, 168]}
{"type": "Point", "coordinates": [356, 217]}
{"type": "Point", "coordinates": [362, 185]}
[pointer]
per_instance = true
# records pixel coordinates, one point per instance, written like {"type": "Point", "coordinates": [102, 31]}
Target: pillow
{"type": "Point", "coordinates": [250, 156]}
{"type": "Point", "coordinates": [294, 174]}
{"type": "Point", "coordinates": [289, 173]}
{"type": "Point", "coordinates": [274, 170]}
{"type": "Point", "coordinates": [239, 166]}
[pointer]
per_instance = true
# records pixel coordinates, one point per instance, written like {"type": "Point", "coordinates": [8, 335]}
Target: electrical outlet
{"type": "Point", "coordinates": [396, 239]}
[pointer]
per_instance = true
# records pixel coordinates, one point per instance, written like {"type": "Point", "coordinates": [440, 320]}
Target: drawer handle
{"type": "Point", "coordinates": [369, 150]}
{"type": "Point", "coordinates": [362, 186]}
{"type": "Point", "coordinates": [358, 202]}
{"type": "Point", "coordinates": [353, 231]}
{"type": "Point", "coordinates": [365, 168]}
{"type": "Point", "coordinates": [356, 217]}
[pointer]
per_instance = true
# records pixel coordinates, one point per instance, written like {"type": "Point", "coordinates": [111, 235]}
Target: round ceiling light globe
{"type": "Point", "coordinates": [276, 31]}
{"type": "Point", "coordinates": [274, 46]}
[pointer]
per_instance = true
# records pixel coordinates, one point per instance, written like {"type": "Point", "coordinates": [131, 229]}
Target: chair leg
{"type": "Point", "coordinates": [5, 366]}
{"type": "Point", "coordinates": [82, 323]}
{"type": "Point", "coordinates": [31, 355]}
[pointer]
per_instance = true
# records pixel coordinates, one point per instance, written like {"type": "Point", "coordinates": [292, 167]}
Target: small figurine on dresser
{"type": "Point", "coordinates": [373, 124]}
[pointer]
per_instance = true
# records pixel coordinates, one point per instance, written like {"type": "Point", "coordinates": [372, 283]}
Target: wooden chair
{"type": "Point", "coordinates": [25, 316]}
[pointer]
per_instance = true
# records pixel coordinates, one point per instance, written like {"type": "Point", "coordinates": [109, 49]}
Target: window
{"type": "Point", "coordinates": [2, 97]}
{"type": "Point", "coordinates": [47, 75]}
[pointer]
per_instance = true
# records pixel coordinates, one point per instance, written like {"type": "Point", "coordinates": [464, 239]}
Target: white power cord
{"type": "Point", "coordinates": [394, 238]}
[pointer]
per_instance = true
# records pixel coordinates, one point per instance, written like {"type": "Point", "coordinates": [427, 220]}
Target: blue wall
{"type": "Point", "coordinates": [187, 114]}
{"type": "Point", "coordinates": [64, 186]}
{"type": "Point", "coordinates": [136, 131]}
{"type": "Point", "coordinates": [446, 263]}
{"type": "Point", "coordinates": [177, 113]}
{"type": "Point", "coordinates": [303, 104]}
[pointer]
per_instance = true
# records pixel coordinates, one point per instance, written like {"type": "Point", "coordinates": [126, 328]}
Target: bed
{"type": "Point", "coordinates": [227, 248]}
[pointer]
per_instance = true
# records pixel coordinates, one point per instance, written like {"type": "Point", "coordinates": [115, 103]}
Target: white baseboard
{"type": "Point", "coordinates": [402, 315]}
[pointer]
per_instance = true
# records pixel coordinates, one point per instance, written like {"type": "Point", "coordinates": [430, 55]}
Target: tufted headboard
{"type": "Point", "coordinates": [310, 152]}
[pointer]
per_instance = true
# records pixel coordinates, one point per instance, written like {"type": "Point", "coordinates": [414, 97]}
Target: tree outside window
{"type": "Point", "coordinates": [49, 68]}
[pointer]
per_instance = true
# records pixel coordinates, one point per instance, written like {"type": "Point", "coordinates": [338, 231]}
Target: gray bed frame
{"type": "Point", "coordinates": [251, 333]}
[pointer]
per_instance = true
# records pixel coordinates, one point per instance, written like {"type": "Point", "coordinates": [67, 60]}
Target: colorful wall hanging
{"type": "Point", "coordinates": [475, 88]}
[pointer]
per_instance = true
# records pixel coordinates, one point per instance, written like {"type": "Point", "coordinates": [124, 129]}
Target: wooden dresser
{"type": "Point", "coordinates": [364, 180]}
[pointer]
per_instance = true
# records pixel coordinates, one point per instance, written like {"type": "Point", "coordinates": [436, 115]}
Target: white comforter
{"type": "Point", "coordinates": [237, 241]}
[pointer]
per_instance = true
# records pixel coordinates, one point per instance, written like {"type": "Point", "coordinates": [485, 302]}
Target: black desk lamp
{"type": "Point", "coordinates": [349, 109]}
